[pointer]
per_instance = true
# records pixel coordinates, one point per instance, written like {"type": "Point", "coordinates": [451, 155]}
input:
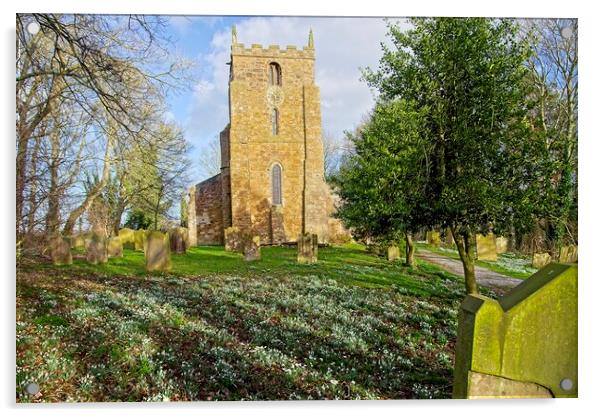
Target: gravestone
{"type": "Point", "coordinates": [139, 239]}
{"type": "Point", "coordinates": [157, 252]}
{"type": "Point", "coordinates": [541, 259]}
{"type": "Point", "coordinates": [178, 239]}
{"type": "Point", "coordinates": [501, 244]}
{"type": "Point", "coordinates": [393, 253]}
{"type": "Point", "coordinates": [96, 249]}
{"type": "Point", "coordinates": [252, 248]}
{"type": "Point", "coordinates": [128, 237]}
{"type": "Point", "coordinates": [525, 344]}
{"type": "Point", "coordinates": [449, 238]}
{"type": "Point", "coordinates": [115, 247]}
{"type": "Point", "coordinates": [568, 254]}
{"type": "Point", "coordinates": [486, 248]}
{"type": "Point", "coordinates": [433, 237]}
{"type": "Point", "coordinates": [233, 239]}
{"type": "Point", "coordinates": [277, 225]}
{"type": "Point", "coordinates": [307, 248]}
{"type": "Point", "coordinates": [60, 250]}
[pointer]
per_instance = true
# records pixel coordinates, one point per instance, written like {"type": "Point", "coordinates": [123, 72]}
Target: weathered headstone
{"type": "Point", "coordinates": [449, 238]}
{"type": "Point", "coordinates": [115, 247]}
{"type": "Point", "coordinates": [252, 248]}
{"type": "Point", "coordinates": [139, 239]}
{"type": "Point", "coordinates": [178, 239]}
{"type": "Point", "coordinates": [233, 239]}
{"type": "Point", "coordinates": [568, 254]}
{"type": "Point", "coordinates": [60, 250]}
{"type": "Point", "coordinates": [307, 248]}
{"type": "Point", "coordinates": [433, 237]}
{"type": "Point", "coordinates": [501, 244]}
{"type": "Point", "coordinates": [96, 249]}
{"type": "Point", "coordinates": [277, 225]}
{"type": "Point", "coordinates": [393, 253]}
{"type": "Point", "coordinates": [486, 249]}
{"type": "Point", "coordinates": [157, 253]}
{"type": "Point", "coordinates": [541, 259]}
{"type": "Point", "coordinates": [128, 237]}
{"type": "Point", "coordinates": [525, 344]}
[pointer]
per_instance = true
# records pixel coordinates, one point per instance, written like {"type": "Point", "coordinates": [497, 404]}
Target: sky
{"type": "Point", "coordinates": [343, 46]}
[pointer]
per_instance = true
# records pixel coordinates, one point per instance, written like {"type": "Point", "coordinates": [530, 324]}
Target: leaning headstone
{"type": "Point", "coordinates": [252, 248]}
{"type": "Point", "coordinates": [157, 253]}
{"type": "Point", "coordinates": [178, 239]}
{"type": "Point", "coordinates": [60, 250]}
{"type": "Point", "coordinates": [96, 249]}
{"type": "Point", "coordinates": [486, 249]}
{"type": "Point", "coordinates": [525, 344]}
{"type": "Point", "coordinates": [501, 244]}
{"type": "Point", "coordinates": [139, 239]}
{"type": "Point", "coordinates": [393, 253]}
{"type": "Point", "coordinates": [128, 237]}
{"type": "Point", "coordinates": [433, 237]}
{"type": "Point", "coordinates": [307, 248]}
{"type": "Point", "coordinates": [541, 259]}
{"type": "Point", "coordinates": [568, 254]}
{"type": "Point", "coordinates": [115, 247]}
{"type": "Point", "coordinates": [233, 239]}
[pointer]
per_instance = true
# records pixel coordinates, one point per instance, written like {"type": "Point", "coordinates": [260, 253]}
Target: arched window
{"type": "Point", "coordinates": [275, 74]}
{"type": "Point", "coordinates": [274, 122]}
{"type": "Point", "coordinates": [276, 184]}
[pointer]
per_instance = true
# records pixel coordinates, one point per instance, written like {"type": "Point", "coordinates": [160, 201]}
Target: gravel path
{"type": "Point", "coordinates": [498, 282]}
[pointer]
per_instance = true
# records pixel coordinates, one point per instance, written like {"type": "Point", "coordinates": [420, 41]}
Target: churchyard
{"type": "Point", "coordinates": [351, 326]}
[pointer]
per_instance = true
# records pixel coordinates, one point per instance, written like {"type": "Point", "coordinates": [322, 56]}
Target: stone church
{"type": "Point", "coordinates": [271, 181]}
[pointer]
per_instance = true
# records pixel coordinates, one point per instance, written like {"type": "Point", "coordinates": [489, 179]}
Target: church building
{"type": "Point", "coordinates": [271, 181]}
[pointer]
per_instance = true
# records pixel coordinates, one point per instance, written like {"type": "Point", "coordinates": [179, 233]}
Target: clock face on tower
{"type": "Point", "coordinates": [275, 96]}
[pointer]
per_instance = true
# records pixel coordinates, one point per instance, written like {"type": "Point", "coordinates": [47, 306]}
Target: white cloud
{"type": "Point", "coordinates": [343, 46]}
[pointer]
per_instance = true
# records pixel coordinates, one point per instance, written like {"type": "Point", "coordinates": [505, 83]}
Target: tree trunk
{"type": "Point", "coordinates": [52, 215]}
{"type": "Point", "coordinates": [410, 248]}
{"type": "Point", "coordinates": [33, 188]}
{"type": "Point", "coordinates": [81, 209]}
{"type": "Point", "coordinates": [465, 245]}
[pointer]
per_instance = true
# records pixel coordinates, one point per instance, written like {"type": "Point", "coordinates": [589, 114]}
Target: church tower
{"type": "Point", "coordinates": [272, 153]}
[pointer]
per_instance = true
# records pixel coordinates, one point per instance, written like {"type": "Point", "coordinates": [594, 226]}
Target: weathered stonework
{"type": "Point", "coordinates": [393, 253]}
{"type": "Point", "coordinates": [127, 237]}
{"type": "Point", "coordinates": [252, 248]}
{"type": "Point", "coordinates": [307, 248]}
{"type": "Point", "coordinates": [60, 250]}
{"type": "Point", "coordinates": [568, 254]}
{"type": "Point", "coordinates": [501, 244]}
{"type": "Point", "coordinates": [96, 249]}
{"type": "Point", "coordinates": [139, 239]}
{"type": "Point", "coordinates": [157, 253]}
{"type": "Point", "coordinates": [233, 239]}
{"type": "Point", "coordinates": [486, 247]}
{"type": "Point", "coordinates": [523, 345]}
{"type": "Point", "coordinates": [178, 239]}
{"type": "Point", "coordinates": [115, 247]}
{"type": "Point", "coordinates": [433, 237]}
{"type": "Point", "coordinates": [271, 124]}
{"type": "Point", "coordinates": [541, 259]}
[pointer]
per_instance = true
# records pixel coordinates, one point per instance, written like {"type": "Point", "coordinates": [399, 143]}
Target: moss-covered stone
{"type": "Point", "coordinates": [252, 248]}
{"type": "Point", "coordinates": [140, 239]}
{"type": "Point", "coordinates": [393, 253]}
{"type": "Point", "coordinates": [157, 252]}
{"type": "Point", "coordinates": [307, 248]}
{"type": "Point", "coordinates": [501, 244]}
{"type": "Point", "coordinates": [127, 237]}
{"type": "Point", "coordinates": [60, 250]}
{"type": "Point", "coordinates": [486, 247]}
{"type": "Point", "coordinates": [96, 249]}
{"type": "Point", "coordinates": [233, 239]}
{"type": "Point", "coordinates": [178, 239]}
{"type": "Point", "coordinates": [115, 247]}
{"type": "Point", "coordinates": [540, 260]}
{"type": "Point", "coordinates": [530, 335]}
{"type": "Point", "coordinates": [433, 237]}
{"type": "Point", "coordinates": [568, 254]}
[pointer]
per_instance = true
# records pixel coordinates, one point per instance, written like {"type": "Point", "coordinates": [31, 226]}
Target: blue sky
{"type": "Point", "coordinates": [343, 45]}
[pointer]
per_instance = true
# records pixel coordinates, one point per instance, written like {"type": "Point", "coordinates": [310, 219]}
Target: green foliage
{"type": "Point", "coordinates": [378, 184]}
{"type": "Point", "coordinates": [138, 219]}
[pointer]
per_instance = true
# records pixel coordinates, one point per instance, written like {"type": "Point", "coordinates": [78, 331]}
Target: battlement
{"type": "Point", "coordinates": [273, 51]}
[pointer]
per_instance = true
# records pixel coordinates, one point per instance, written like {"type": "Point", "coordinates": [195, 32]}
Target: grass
{"type": "Point", "coordinates": [354, 326]}
{"type": "Point", "coordinates": [509, 264]}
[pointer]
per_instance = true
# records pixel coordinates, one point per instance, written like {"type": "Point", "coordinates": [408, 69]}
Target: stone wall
{"type": "Point", "coordinates": [209, 214]}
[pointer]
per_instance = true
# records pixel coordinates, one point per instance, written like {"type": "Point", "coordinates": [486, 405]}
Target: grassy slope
{"type": "Point", "coordinates": [508, 264]}
{"type": "Point", "coordinates": [353, 326]}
